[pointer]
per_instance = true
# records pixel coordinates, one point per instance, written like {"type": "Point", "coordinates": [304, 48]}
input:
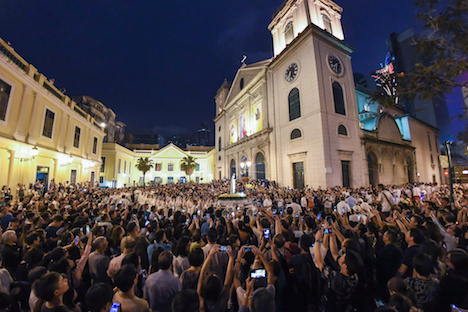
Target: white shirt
{"type": "Point", "coordinates": [357, 218]}
{"type": "Point", "coordinates": [343, 205]}
{"type": "Point", "coordinates": [296, 208]}
{"type": "Point", "coordinates": [267, 203]}
{"type": "Point", "coordinates": [385, 200]}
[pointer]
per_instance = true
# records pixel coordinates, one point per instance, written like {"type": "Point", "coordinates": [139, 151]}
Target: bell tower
{"type": "Point", "coordinates": [317, 135]}
{"type": "Point", "coordinates": [293, 17]}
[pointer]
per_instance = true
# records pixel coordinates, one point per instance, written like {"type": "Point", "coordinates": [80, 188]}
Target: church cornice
{"type": "Point", "coordinates": [331, 4]}
{"type": "Point", "coordinates": [251, 87]}
{"type": "Point", "coordinates": [367, 138]}
{"type": "Point", "coordinates": [283, 9]}
{"type": "Point", "coordinates": [248, 138]}
{"type": "Point", "coordinates": [318, 33]}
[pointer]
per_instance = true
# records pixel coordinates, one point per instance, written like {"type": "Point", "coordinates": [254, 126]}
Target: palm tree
{"type": "Point", "coordinates": [188, 164]}
{"type": "Point", "coordinates": [144, 165]}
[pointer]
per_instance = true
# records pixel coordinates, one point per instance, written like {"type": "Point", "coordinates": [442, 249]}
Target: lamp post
{"type": "Point", "coordinates": [245, 167]}
{"type": "Point", "coordinates": [448, 145]}
{"type": "Point", "coordinates": [32, 154]}
{"type": "Point", "coordinates": [104, 128]}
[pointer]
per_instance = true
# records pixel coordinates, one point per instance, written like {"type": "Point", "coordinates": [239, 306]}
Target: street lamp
{"type": "Point", "coordinates": [448, 151]}
{"type": "Point", "coordinates": [32, 154]}
{"type": "Point", "coordinates": [34, 151]}
{"type": "Point", "coordinates": [245, 164]}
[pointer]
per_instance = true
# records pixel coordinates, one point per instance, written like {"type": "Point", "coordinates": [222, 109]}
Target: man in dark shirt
{"type": "Point", "coordinates": [454, 286]}
{"type": "Point", "coordinates": [306, 277]}
{"type": "Point", "coordinates": [99, 262]}
{"type": "Point", "coordinates": [51, 230]}
{"type": "Point", "coordinates": [388, 260]}
{"type": "Point", "coordinates": [414, 238]}
{"type": "Point", "coordinates": [161, 287]}
{"type": "Point", "coordinates": [10, 251]}
{"type": "Point", "coordinates": [6, 217]}
{"type": "Point", "coordinates": [340, 286]}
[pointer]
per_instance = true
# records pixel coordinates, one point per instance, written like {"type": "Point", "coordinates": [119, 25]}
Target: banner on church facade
{"type": "Point", "coordinates": [232, 132]}
{"type": "Point", "coordinates": [257, 118]}
{"type": "Point", "coordinates": [243, 126]}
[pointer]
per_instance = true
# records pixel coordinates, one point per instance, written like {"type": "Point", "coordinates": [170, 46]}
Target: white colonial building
{"type": "Point", "coordinates": [294, 118]}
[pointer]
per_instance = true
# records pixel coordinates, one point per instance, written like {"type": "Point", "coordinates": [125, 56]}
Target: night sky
{"type": "Point", "coordinates": [159, 63]}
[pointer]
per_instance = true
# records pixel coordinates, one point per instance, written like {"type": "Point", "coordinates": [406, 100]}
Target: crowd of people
{"type": "Point", "coordinates": [176, 247]}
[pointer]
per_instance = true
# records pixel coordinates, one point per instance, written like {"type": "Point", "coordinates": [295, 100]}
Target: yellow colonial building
{"type": "Point", "coordinates": [43, 134]}
{"type": "Point", "coordinates": [119, 165]}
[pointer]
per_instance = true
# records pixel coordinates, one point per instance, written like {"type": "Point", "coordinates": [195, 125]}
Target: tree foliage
{"type": "Point", "coordinates": [442, 47]}
{"type": "Point", "coordinates": [188, 164]}
{"type": "Point", "coordinates": [144, 165]}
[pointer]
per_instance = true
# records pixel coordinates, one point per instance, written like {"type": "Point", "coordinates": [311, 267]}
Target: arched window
{"type": "Point", "coordinates": [241, 84]}
{"type": "Point", "coordinates": [219, 144]}
{"type": "Point", "coordinates": [296, 133]}
{"type": "Point", "coordinates": [327, 23]}
{"type": "Point", "coordinates": [260, 166]}
{"type": "Point", "coordinates": [289, 33]}
{"type": "Point", "coordinates": [342, 130]}
{"type": "Point", "coordinates": [338, 99]}
{"type": "Point", "coordinates": [294, 104]}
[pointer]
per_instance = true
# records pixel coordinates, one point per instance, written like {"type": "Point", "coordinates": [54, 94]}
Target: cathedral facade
{"type": "Point", "coordinates": [294, 118]}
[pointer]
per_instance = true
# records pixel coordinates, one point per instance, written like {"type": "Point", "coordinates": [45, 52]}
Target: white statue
{"type": "Point", "coordinates": [233, 184]}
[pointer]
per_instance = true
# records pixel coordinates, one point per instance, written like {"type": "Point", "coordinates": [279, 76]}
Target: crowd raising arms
{"type": "Point", "coordinates": [176, 247]}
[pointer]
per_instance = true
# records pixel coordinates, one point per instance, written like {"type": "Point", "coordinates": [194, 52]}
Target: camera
{"type": "Point", "coordinates": [266, 233]}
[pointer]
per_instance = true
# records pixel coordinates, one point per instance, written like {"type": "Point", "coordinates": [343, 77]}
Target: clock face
{"type": "Point", "coordinates": [291, 72]}
{"type": "Point", "coordinates": [335, 64]}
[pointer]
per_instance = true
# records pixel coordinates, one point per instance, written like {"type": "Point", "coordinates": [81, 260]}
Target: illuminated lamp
{"type": "Point", "coordinates": [34, 151]}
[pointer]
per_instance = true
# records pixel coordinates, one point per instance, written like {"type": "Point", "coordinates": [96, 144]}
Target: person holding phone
{"type": "Point", "coordinates": [208, 289]}
{"type": "Point", "coordinates": [99, 297]}
{"type": "Point", "coordinates": [125, 280]}
{"type": "Point", "coordinates": [249, 297]}
{"type": "Point", "coordinates": [340, 285]}
{"type": "Point", "coordinates": [342, 207]}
